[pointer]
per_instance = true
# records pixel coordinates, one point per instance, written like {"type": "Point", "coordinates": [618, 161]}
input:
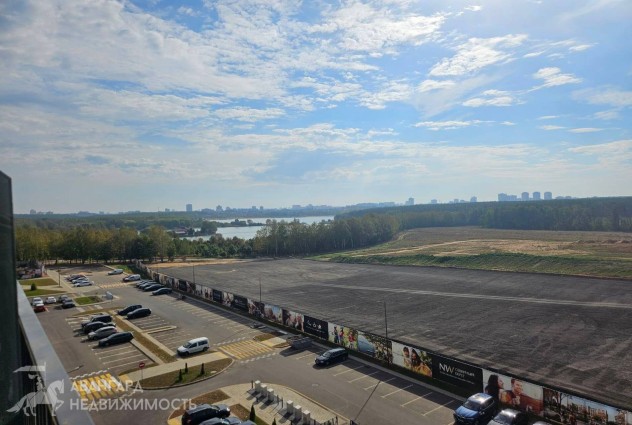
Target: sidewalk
{"type": "Point", "coordinates": [268, 411]}
{"type": "Point", "coordinates": [173, 366]}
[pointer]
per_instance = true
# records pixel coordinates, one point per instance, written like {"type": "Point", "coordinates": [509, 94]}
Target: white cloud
{"type": "Point", "coordinates": [551, 127]}
{"type": "Point", "coordinates": [474, 8]}
{"type": "Point", "coordinates": [580, 47]}
{"type": "Point", "coordinates": [618, 150]}
{"type": "Point", "coordinates": [394, 91]}
{"type": "Point", "coordinates": [585, 130]}
{"type": "Point", "coordinates": [612, 114]}
{"type": "Point", "coordinates": [553, 77]}
{"type": "Point", "coordinates": [447, 125]}
{"type": "Point", "coordinates": [491, 98]}
{"type": "Point", "coordinates": [478, 53]}
{"type": "Point", "coordinates": [533, 54]}
{"type": "Point", "coordinates": [606, 96]}
{"type": "Point", "coordinates": [548, 117]}
{"type": "Point", "coordinates": [248, 114]}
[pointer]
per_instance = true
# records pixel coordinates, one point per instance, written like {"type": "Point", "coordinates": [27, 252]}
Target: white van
{"type": "Point", "coordinates": [131, 278]}
{"type": "Point", "coordinates": [194, 346]}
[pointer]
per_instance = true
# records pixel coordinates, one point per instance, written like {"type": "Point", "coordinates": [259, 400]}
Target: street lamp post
{"type": "Point", "coordinates": [193, 272]}
{"type": "Point", "coordinates": [385, 320]}
{"type": "Point", "coordinates": [59, 277]}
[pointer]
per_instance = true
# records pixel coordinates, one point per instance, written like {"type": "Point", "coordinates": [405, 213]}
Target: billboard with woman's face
{"type": "Point", "coordinates": [273, 313]}
{"type": "Point", "coordinates": [255, 308]}
{"type": "Point", "coordinates": [513, 392]}
{"type": "Point", "coordinates": [294, 320]}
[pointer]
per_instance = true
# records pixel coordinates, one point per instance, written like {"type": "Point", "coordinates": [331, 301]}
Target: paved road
{"type": "Point", "coordinates": [575, 333]}
{"type": "Point", "coordinates": [354, 389]}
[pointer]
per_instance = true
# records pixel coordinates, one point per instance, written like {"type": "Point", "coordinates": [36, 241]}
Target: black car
{"type": "Point", "coordinates": [63, 298]}
{"type": "Point", "coordinates": [478, 409]}
{"type": "Point", "coordinates": [161, 291]}
{"type": "Point", "coordinates": [105, 318]}
{"type": "Point", "coordinates": [68, 304]}
{"type": "Point", "coordinates": [139, 312]}
{"type": "Point", "coordinates": [332, 356]}
{"type": "Point", "coordinates": [117, 338]}
{"type": "Point", "coordinates": [152, 287]}
{"type": "Point", "coordinates": [142, 286]}
{"type": "Point", "coordinates": [231, 420]}
{"type": "Point", "coordinates": [129, 309]}
{"type": "Point", "coordinates": [93, 326]}
{"type": "Point", "coordinates": [510, 417]}
{"type": "Point", "coordinates": [200, 413]}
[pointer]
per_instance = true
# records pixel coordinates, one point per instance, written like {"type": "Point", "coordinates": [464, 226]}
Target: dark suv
{"type": "Point", "coordinates": [117, 338]}
{"type": "Point", "coordinates": [203, 412]}
{"type": "Point", "coordinates": [129, 309]}
{"type": "Point", "coordinates": [479, 409]}
{"type": "Point", "coordinates": [139, 312]}
{"type": "Point", "coordinates": [331, 356]}
{"type": "Point", "coordinates": [105, 318]}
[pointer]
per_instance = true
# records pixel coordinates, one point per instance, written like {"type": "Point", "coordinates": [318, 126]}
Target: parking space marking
{"type": "Point", "coordinates": [438, 407]}
{"type": "Point", "coordinates": [364, 376]}
{"type": "Point", "coordinates": [396, 391]}
{"type": "Point", "coordinates": [378, 383]}
{"type": "Point", "coordinates": [411, 401]}
{"type": "Point", "coordinates": [245, 349]}
{"type": "Point", "coordinates": [349, 370]}
{"type": "Point", "coordinates": [306, 355]}
{"type": "Point", "coordinates": [107, 350]}
{"type": "Point", "coordinates": [116, 354]}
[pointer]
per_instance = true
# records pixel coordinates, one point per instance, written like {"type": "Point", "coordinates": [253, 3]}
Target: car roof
{"type": "Point", "coordinates": [480, 397]}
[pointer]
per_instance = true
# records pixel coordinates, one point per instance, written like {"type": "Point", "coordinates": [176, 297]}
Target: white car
{"type": "Point", "coordinates": [102, 332]}
{"type": "Point", "coordinates": [115, 271]}
{"type": "Point", "coordinates": [83, 283]}
{"type": "Point", "coordinates": [36, 300]}
{"type": "Point", "coordinates": [50, 300]}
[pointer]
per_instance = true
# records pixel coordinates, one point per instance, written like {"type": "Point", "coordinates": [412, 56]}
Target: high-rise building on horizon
{"type": "Point", "coordinates": [410, 201]}
{"type": "Point", "coordinates": [189, 207]}
{"type": "Point", "coordinates": [548, 196]}
{"type": "Point", "coordinates": [536, 196]}
{"type": "Point", "coordinates": [473, 199]}
{"type": "Point", "coordinates": [525, 196]}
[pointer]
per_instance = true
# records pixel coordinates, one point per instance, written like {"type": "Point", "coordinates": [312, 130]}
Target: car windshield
{"type": "Point", "coordinates": [503, 418]}
{"type": "Point", "coordinates": [326, 354]}
{"type": "Point", "coordinates": [473, 405]}
{"type": "Point", "coordinates": [187, 345]}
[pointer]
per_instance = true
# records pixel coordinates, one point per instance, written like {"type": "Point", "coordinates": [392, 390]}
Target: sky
{"type": "Point", "coordinates": [144, 105]}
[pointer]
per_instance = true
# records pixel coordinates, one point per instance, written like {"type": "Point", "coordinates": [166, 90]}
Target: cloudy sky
{"type": "Point", "coordinates": [143, 105]}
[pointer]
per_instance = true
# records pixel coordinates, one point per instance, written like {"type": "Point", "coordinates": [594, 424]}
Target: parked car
{"type": "Point", "coordinates": [50, 300]}
{"type": "Point", "coordinates": [68, 304]}
{"type": "Point", "coordinates": [510, 417]}
{"type": "Point", "coordinates": [152, 287]}
{"type": "Point", "coordinates": [105, 318]}
{"type": "Point", "coordinates": [36, 300]}
{"type": "Point", "coordinates": [145, 285]}
{"type": "Point", "coordinates": [90, 327]}
{"type": "Point", "coordinates": [203, 412]}
{"type": "Point", "coordinates": [195, 345]}
{"type": "Point", "coordinates": [63, 298]}
{"type": "Point", "coordinates": [161, 291]}
{"type": "Point", "coordinates": [331, 356]}
{"type": "Point", "coordinates": [139, 312]}
{"type": "Point", "coordinates": [131, 278]}
{"type": "Point", "coordinates": [115, 271]}
{"type": "Point", "coordinates": [83, 283]}
{"type": "Point", "coordinates": [74, 276]}
{"type": "Point", "coordinates": [231, 420]}
{"type": "Point", "coordinates": [102, 333]}
{"type": "Point", "coordinates": [80, 279]}
{"type": "Point", "coordinates": [477, 409]}
{"type": "Point", "coordinates": [39, 307]}
{"type": "Point", "coordinates": [116, 338]}
{"type": "Point", "coordinates": [129, 309]}
{"type": "Point", "coordinates": [541, 423]}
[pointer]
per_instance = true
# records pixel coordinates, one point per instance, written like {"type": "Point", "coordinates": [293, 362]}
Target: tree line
{"type": "Point", "coordinates": [90, 243]}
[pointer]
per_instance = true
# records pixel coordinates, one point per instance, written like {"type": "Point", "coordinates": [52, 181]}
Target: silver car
{"type": "Point", "coordinates": [102, 332]}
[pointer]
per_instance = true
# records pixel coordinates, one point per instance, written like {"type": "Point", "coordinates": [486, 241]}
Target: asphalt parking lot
{"type": "Point", "coordinates": [567, 332]}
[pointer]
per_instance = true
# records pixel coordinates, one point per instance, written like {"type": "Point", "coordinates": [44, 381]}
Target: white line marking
{"type": "Point", "coordinates": [396, 391]}
{"type": "Point", "coordinates": [383, 382]}
{"type": "Point", "coordinates": [349, 370]}
{"type": "Point", "coordinates": [408, 402]}
{"type": "Point", "coordinates": [438, 407]}
{"type": "Point", "coordinates": [364, 376]}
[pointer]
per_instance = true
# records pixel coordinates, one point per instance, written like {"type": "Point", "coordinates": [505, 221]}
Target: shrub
{"type": "Point", "coordinates": [33, 286]}
{"type": "Point", "coordinates": [253, 416]}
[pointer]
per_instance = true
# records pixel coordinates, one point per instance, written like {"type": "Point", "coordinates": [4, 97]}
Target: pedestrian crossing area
{"type": "Point", "coordinates": [245, 349]}
{"type": "Point", "coordinates": [97, 386]}
{"type": "Point", "coordinates": [117, 285]}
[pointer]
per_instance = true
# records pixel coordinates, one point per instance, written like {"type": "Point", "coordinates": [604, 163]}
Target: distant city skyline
{"type": "Point", "coordinates": [147, 105]}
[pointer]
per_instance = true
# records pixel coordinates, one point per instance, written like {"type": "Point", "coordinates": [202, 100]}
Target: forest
{"type": "Point", "coordinates": [92, 241]}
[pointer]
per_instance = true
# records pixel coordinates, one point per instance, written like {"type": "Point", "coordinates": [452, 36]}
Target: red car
{"type": "Point", "coordinates": [39, 307]}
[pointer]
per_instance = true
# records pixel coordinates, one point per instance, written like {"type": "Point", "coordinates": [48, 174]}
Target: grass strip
{"type": "Point", "coordinates": [39, 292]}
{"type": "Point", "coordinates": [212, 397]}
{"type": "Point", "coordinates": [87, 300]}
{"type": "Point", "coordinates": [173, 378]}
{"type": "Point", "coordinates": [42, 281]}
{"type": "Point", "coordinates": [244, 414]}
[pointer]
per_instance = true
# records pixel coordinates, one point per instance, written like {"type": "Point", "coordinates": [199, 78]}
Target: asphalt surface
{"type": "Point", "coordinates": [568, 332]}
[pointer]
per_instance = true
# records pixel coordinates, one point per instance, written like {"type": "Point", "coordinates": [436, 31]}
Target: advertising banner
{"type": "Point", "coordinates": [273, 313]}
{"type": "Point", "coordinates": [205, 292]}
{"type": "Point", "coordinates": [292, 319]}
{"type": "Point", "coordinates": [315, 327]}
{"type": "Point", "coordinates": [227, 299]}
{"type": "Point", "coordinates": [240, 303]}
{"type": "Point", "coordinates": [217, 296]}
{"type": "Point", "coordinates": [456, 373]}
{"type": "Point", "coordinates": [375, 346]}
{"type": "Point", "coordinates": [255, 308]}
{"type": "Point", "coordinates": [340, 335]}
{"type": "Point", "coordinates": [562, 408]}
{"type": "Point", "coordinates": [186, 286]}
{"type": "Point", "coordinates": [412, 358]}
{"type": "Point", "coordinates": [513, 392]}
